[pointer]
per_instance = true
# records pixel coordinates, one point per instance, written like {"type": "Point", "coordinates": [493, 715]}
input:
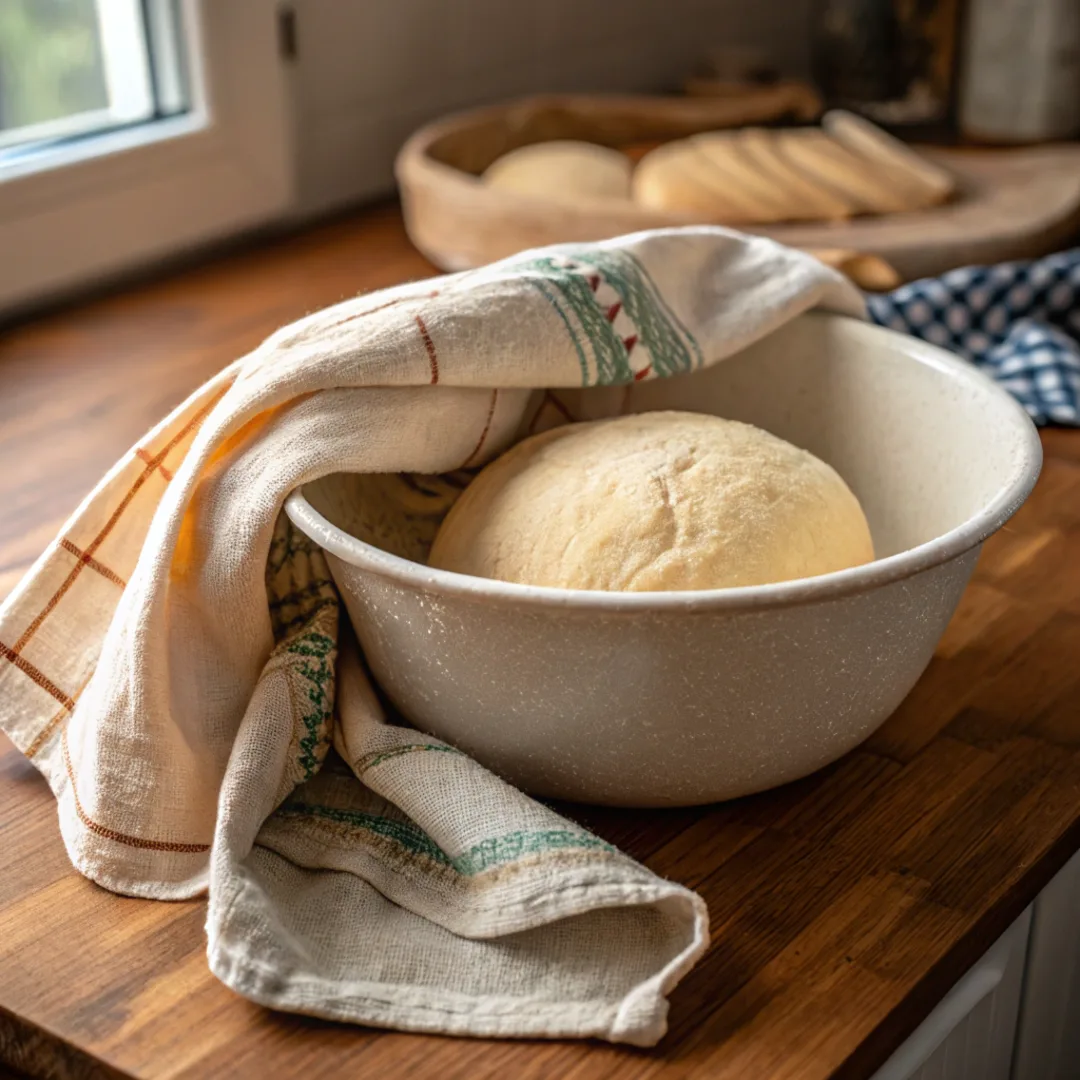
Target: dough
{"type": "Point", "coordinates": [678, 179]}
{"type": "Point", "coordinates": [736, 177]}
{"type": "Point", "coordinates": [563, 170]}
{"type": "Point", "coordinates": [663, 500]}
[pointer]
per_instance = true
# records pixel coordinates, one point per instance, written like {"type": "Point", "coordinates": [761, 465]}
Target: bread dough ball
{"type": "Point", "coordinates": [563, 171]}
{"type": "Point", "coordinates": [656, 501]}
{"type": "Point", "coordinates": [678, 178]}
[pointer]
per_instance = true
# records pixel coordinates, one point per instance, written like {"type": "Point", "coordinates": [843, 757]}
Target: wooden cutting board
{"type": "Point", "coordinates": [1012, 203]}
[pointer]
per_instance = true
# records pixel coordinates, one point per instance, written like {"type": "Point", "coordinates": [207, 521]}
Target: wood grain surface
{"type": "Point", "coordinates": [842, 906]}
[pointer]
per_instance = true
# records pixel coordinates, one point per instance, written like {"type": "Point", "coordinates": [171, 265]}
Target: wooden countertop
{"type": "Point", "coordinates": [843, 906]}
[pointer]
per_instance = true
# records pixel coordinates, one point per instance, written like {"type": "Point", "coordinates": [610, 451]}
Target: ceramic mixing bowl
{"type": "Point", "coordinates": [658, 699]}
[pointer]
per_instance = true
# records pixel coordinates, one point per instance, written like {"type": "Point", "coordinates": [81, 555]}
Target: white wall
{"type": "Point", "coordinates": [369, 72]}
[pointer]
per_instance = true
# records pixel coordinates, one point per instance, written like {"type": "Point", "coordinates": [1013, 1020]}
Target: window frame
{"type": "Point", "coordinates": [94, 208]}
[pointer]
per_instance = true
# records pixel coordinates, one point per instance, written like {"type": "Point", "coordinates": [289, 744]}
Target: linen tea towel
{"type": "Point", "coordinates": [177, 666]}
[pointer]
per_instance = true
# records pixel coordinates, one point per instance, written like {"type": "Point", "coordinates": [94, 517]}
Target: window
{"type": "Point", "coordinates": [133, 129]}
{"type": "Point", "coordinates": [71, 69]}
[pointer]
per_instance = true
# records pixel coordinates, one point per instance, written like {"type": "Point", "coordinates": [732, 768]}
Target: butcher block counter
{"type": "Point", "coordinates": [843, 907]}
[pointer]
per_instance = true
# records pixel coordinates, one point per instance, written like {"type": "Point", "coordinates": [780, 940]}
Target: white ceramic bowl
{"type": "Point", "coordinates": [654, 699]}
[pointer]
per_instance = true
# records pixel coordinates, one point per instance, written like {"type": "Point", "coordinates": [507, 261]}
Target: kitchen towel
{"type": "Point", "coordinates": [177, 666]}
{"type": "Point", "coordinates": [1018, 321]}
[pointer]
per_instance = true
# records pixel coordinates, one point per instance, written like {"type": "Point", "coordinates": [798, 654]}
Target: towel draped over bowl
{"type": "Point", "coordinates": [177, 666]}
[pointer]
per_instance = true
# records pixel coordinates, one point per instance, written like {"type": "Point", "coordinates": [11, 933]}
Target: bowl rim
{"type": "Point", "coordinates": [833, 586]}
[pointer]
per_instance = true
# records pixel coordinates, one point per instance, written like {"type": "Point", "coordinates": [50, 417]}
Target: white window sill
{"type": "Point", "coordinates": [49, 158]}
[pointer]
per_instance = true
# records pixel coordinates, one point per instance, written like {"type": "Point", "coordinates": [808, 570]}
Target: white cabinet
{"type": "Point", "coordinates": [971, 1033]}
{"type": "Point", "coordinates": [1016, 1014]}
{"type": "Point", "coordinates": [1048, 1043]}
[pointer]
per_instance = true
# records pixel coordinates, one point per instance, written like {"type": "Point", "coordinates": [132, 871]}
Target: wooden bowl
{"type": "Point", "coordinates": [458, 222]}
{"type": "Point", "coordinates": [1012, 203]}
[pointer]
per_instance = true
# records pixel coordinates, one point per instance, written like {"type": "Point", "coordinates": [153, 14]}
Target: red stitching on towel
{"type": "Point", "coordinates": [549, 399]}
{"type": "Point", "coordinates": [85, 558]}
{"type": "Point", "coordinates": [36, 676]}
{"type": "Point", "coordinates": [90, 561]}
{"type": "Point", "coordinates": [484, 433]}
{"type": "Point", "coordinates": [62, 714]}
{"type": "Point", "coordinates": [94, 544]}
{"type": "Point", "coordinates": [559, 406]}
{"type": "Point", "coordinates": [144, 455]}
{"type": "Point", "coordinates": [430, 346]}
{"type": "Point", "coordinates": [112, 834]}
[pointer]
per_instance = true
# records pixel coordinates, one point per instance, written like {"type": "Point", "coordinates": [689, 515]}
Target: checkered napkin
{"type": "Point", "coordinates": [177, 666]}
{"type": "Point", "coordinates": [1018, 321]}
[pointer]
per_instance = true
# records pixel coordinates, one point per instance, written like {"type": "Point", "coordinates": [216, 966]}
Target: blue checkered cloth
{"type": "Point", "coordinates": [1019, 322]}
